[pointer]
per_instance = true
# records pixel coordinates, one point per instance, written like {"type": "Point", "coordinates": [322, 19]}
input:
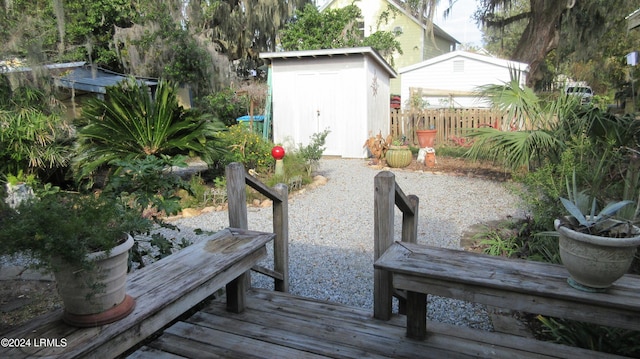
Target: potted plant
{"type": "Point", "coordinates": [596, 249]}
{"type": "Point", "coordinates": [398, 154]}
{"type": "Point", "coordinates": [427, 137]}
{"type": "Point", "coordinates": [377, 146]}
{"type": "Point", "coordinates": [84, 240]}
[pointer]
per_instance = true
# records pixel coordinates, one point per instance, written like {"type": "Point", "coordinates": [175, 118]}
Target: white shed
{"type": "Point", "coordinates": [450, 80]}
{"type": "Point", "coordinates": [343, 90]}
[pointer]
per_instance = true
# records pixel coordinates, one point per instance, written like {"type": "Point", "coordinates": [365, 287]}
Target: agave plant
{"type": "Point", "coordinates": [133, 123]}
{"type": "Point", "coordinates": [593, 223]}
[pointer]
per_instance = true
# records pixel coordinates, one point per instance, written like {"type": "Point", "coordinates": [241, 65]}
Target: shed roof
{"type": "Point", "coordinates": [470, 55]}
{"type": "Point", "coordinates": [94, 80]}
{"type": "Point", "coordinates": [633, 20]}
{"type": "Point", "coordinates": [18, 65]}
{"type": "Point", "coordinates": [365, 51]}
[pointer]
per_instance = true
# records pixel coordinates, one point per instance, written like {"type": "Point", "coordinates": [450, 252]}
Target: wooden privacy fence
{"type": "Point", "coordinates": [449, 122]}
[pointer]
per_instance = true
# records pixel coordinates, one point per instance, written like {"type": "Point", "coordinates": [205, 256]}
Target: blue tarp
{"type": "Point", "coordinates": [247, 118]}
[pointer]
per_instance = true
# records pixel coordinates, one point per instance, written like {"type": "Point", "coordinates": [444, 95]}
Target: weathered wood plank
{"type": "Point", "coordinates": [281, 242]}
{"type": "Point", "coordinates": [163, 291]}
{"type": "Point", "coordinates": [539, 288]}
{"type": "Point", "coordinates": [284, 322]}
{"type": "Point", "coordinates": [237, 195]}
{"type": "Point", "coordinates": [384, 206]}
{"type": "Point", "coordinates": [151, 353]}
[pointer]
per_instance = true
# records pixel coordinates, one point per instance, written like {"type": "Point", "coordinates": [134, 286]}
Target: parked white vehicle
{"type": "Point", "coordinates": [584, 92]}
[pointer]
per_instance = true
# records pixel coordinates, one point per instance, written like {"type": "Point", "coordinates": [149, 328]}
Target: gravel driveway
{"type": "Point", "coordinates": [331, 231]}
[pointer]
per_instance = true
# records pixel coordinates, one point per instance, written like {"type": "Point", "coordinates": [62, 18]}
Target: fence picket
{"type": "Point", "coordinates": [448, 122]}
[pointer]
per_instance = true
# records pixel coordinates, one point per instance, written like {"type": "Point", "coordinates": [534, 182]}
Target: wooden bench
{"type": "Point", "coordinates": [163, 291]}
{"type": "Point", "coordinates": [528, 286]}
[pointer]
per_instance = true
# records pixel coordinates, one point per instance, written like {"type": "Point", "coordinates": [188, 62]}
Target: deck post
{"type": "Point", "coordinates": [416, 315]}
{"type": "Point", "coordinates": [281, 242]}
{"type": "Point", "coordinates": [384, 207]}
{"type": "Point", "coordinates": [410, 221]}
{"type": "Point", "coordinates": [237, 195]}
{"type": "Point", "coordinates": [237, 199]}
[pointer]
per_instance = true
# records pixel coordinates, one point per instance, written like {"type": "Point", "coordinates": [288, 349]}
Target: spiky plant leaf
{"type": "Point", "coordinates": [132, 123]}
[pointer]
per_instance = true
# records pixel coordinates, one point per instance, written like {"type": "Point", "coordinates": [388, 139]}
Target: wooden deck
{"type": "Point", "coordinates": [280, 325]}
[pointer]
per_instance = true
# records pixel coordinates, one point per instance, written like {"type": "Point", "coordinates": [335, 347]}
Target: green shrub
{"type": "Point", "coordinates": [226, 105]}
{"type": "Point", "coordinates": [148, 188]}
{"type": "Point", "coordinates": [591, 336]}
{"type": "Point", "coordinates": [248, 148]}
{"type": "Point", "coordinates": [312, 152]}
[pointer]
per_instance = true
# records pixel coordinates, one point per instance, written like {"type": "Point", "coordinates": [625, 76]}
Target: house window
{"type": "Point", "coordinates": [397, 30]}
{"type": "Point", "coordinates": [361, 27]}
{"type": "Point", "coordinates": [458, 66]}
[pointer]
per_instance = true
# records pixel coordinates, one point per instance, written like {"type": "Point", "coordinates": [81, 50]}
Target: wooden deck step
{"type": "Point", "coordinates": [280, 325]}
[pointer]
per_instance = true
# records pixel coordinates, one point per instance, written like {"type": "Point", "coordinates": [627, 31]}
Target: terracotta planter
{"type": "Point", "coordinates": [398, 156]}
{"type": "Point", "coordinates": [426, 138]}
{"type": "Point", "coordinates": [595, 262]}
{"type": "Point", "coordinates": [96, 297]}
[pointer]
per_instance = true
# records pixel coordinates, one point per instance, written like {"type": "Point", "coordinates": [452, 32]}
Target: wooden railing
{"type": "Point", "coordinates": [387, 196]}
{"type": "Point", "coordinates": [237, 180]}
{"type": "Point", "coordinates": [449, 122]}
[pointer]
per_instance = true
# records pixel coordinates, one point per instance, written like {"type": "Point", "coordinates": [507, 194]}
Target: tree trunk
{"type": "Point", "coordinates": [540, 37]}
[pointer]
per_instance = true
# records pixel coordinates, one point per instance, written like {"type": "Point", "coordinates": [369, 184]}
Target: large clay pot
{"type": "Point", "coordinates": [426, 138]}
{"type": "Point", "coordinates": [595, 262]}
{"type": "Point", "coordinates": [398, 156]}
{"type": "Point", "coordinates": [97, 296]}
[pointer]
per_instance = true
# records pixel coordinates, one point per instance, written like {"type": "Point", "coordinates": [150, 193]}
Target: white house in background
{"type": "Point", "coordinates": [343, 90]}
{"type": "Point", "coordinates": [451, 80]}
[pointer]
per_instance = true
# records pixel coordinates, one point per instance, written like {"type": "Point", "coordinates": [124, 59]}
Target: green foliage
{"type": "Point", "coordinates": [147, 183]}
{"type": "Point", "coordinates": [591, 336]}
{"type": "Point", "coordinates": [311, 29]}
{"type": "Point", "coordinates": [168, 49]}
{"type": "Point", "coordinates": [148, 187]}
{"type": "Point", "coordinates": [563, 135]}
{"type": "Point", "coordinates": [246, 147]}
{"type": "Point", "coordinates": [451, 151]}
{"type": "Point", "coordinates": [334, 28]}
{"type": "Point", "coordinates": [91, 25]}
{"type": "Point", "coordinates": [496, 242]}
{"type": "Point", "coordinates": [130, 124]}
{"type": "Point", "coordinates": [542, 126]}
{"type": "Point", "coordinates": [33, 142]}
{"type": "Point", "coordinates": [201, 194]}
{"type": "Point", "coordinates": [67, 226]}
{"type": "Point", "coordinates": [312, 152]}
{"type": "Point", "coordinates": [226, 105]}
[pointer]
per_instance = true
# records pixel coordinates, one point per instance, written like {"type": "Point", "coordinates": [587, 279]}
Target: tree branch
{"type": "Point", "coordinates": [506, 21]}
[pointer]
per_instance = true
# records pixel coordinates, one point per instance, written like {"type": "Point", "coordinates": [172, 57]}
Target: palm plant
{"type": "Point", "coordinates": [133, 123]}
{"type": "Point", "coordinates": [33, 142]}
{"type": "Point", "coordinates": [34, 138]}
{"type": "Point", "coordinates": [539, 128]}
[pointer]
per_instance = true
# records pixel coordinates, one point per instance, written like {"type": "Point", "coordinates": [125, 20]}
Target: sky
{"type": "Point", "coordinates": [459, 23]}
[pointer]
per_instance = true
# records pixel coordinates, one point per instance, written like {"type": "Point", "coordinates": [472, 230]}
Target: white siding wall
{"type": "Point", "coordinates": [310, 95]}
{"type": "Point", "coordinates": [378, 103]}
{"type": "Point", "coordinates": [456, 74]}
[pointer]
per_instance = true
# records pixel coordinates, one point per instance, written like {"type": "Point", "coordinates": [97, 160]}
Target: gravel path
{"type": "Point", "coordinates": [331, 231]}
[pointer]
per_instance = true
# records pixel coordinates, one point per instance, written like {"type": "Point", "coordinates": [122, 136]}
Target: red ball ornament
{"type": "Point", "coordinates": [277, 152]}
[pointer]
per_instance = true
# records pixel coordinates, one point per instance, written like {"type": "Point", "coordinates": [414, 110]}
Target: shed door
{"type": "Point", "coordinates": [320, 108]}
